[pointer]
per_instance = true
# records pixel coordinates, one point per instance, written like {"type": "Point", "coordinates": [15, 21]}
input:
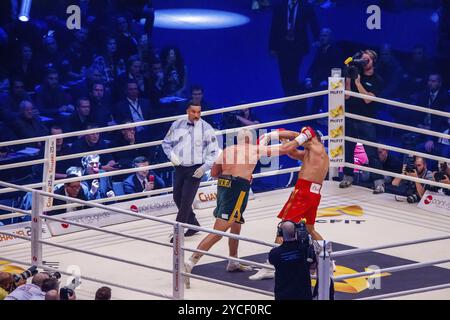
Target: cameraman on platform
{"type": "Point", "coordinates": [417, 169]}
{"type": "Point", "coordinates": [361, 78]}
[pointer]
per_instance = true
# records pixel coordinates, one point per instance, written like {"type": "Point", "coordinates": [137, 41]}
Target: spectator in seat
{"type": "Point", "coordinates": [81, 117]}
{"type": "Point", "coordinates": [72, 190]}
{"type": "Point", "coordinates": [133, 107]}
{"type": "Point", "coordinates": [175, 73]}
{"type": "Point", "coordinates": [415, 71]}
{"type": "Point", "coordinates": [390, 70]}
{"type": "Point", "coordinates": [127, 137]}
{"type": "Point", "coordinates": [328, 55]}
{"type": "Point", "coordinates": [10, 103]}
{"type": "Point", "coordinates": [134, 73]}
{"type": "Point", "coordinates": [62, 149]}
{"type": "Point", "coordinates": [126, 42]}
{"type": "Point", "coordinates": [28, 125]}
{"type": "Point", "coordinates": [437, 98]}
{"type": "Point", "coordinates": [100, 105]}
{"type": "Point", "coordinates": [51, 97]}
{"type": "Point", "coordinates": [99, 188]}
{"type": "Point", "coordinates": [79, 54]}
{"type": "Point", "coordinates": [142, 181]}
{"type": "Point", "coordinates": [27, 68]}
{"type": "Point", "coordinates": [91, 143]}
{"type": "Point", "coordinates": [51, 57]}
{"type": "Point", "coordinates": [156, 82]}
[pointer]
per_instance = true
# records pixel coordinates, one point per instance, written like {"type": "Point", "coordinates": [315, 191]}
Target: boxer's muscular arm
{"type": "Point", "coordinates": [297, 154]}
{"type": "Point", "coordinates": [216, 169]}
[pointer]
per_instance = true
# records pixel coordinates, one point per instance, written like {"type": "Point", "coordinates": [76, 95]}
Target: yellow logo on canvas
{"type": "Point", "coordinates": [352, 210]}
{"type": "Point", "coordinates": [337, 112]}
{"type": "Point", "coordinates": [6, 266]}
{"type": "Point", "coordinates": [354, 285]}
{"type": "Point", "coordinates": [336, 84]}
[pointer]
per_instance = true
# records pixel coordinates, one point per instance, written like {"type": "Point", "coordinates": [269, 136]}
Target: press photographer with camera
{"type": "Point", "coordinates": [32, 291]}
{"type": "Point", "coordinates": [6, 284]}
{"type": "Point", "coordinates": [361, 78]}
{"type": "Point", "coordinates": [416, 168]}
{"type": "Point", "coordinates": [442, 176]}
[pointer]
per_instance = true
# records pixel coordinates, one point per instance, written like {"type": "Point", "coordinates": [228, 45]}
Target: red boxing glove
{"type": "Point", "coordinates": [310, 133]}
{"type": "Point", "coordinates": [307, 133]}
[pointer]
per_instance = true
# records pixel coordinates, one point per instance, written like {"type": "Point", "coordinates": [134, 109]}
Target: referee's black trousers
{"type": "Point", "coordinates": [184, 190]}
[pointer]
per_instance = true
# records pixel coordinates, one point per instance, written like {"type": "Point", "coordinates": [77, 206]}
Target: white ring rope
{"type": "Point", "coordinates": [410, 266]}
{"type": "Point", "coordinates": [398, 104]}
{"type": "Point", "coordinates": [398, 175]}
{"type": "Point", "coordinates": [47, 268]}
{"type": "Point", "coordinates": [397, 126]}
{"type": "Point", "coordinates": [95, 254]}
{"type": "Point", "coordinates": [344, 253]}
{"type": "Point", "coordinates": [167, 119]}
{"type": "Point", "coordinates": [96, 203]}
{"type": "Point", "coordinates": [407, 292]}
{"type": "Point", "coordinates": [400, 150]}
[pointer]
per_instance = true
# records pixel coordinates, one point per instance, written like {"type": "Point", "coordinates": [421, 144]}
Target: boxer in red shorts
{"type": "Point", "coordinates": [304, 200]}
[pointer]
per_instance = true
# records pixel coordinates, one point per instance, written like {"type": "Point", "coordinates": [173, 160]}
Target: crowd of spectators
{"type": "Point", "coordinates": [54, 80]}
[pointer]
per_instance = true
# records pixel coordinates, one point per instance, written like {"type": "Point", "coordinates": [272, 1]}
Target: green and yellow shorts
{"type": "Point", "coordinates": [232, 198]}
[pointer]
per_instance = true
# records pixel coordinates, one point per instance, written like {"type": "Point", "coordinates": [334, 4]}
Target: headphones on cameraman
{"type": "Point", "coordinates": [288, 230]}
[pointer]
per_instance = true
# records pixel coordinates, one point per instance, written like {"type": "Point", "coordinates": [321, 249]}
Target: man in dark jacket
{"type": "Point", "coordinates": [142, 181]}
{"type": "Point", "coordinates": [292, 278]}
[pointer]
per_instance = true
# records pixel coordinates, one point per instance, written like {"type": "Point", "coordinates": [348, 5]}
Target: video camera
{"type": "Point", "coordinates": [441, 174]}
{"type": "Point", "coordinates": [409, 164]}
{"type": "Point", "coordinates": [355, 65]}
{"type": "Point", "coordinates": [66, 292]}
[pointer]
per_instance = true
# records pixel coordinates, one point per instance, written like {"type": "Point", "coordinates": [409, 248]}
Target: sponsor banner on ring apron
{"type": "Point", "coordinates": [21, 229]}
{"type": "Point", "coordinates": [152, 206]}
{"type": "Point", "coordinates": [435, 202]}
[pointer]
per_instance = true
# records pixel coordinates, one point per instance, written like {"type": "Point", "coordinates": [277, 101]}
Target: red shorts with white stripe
{"type": "Point", "coordinates": [302, 203]}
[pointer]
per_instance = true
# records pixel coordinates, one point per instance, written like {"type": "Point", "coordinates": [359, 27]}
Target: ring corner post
{"type": "Point", "coordinates": [336, 122]}
{"type": "Point", "coordinates": [178, 261]}
{"type": "Point", "coordinates": [36, 229]}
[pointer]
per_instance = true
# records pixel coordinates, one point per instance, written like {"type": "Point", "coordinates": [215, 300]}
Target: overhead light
{"type": "Point", "coordinates": [24, 14]}
{"type": "Point", "coordinates": [197, 19]}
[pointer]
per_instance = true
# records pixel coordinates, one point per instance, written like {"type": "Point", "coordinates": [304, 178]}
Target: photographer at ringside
{"type": "Point", "coordinates": [442, 176]}
{"type": "Point", "coordinates": [32, 291]}
{"type": "Point", "coordinates": [413, 167]}
{"type": "Point", "coordinates": [6, 284]}
{"type": "Point", "coordinates": [361, 78]}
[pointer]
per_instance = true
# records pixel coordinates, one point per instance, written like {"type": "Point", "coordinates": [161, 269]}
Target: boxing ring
{"type": "Point", "coordinates": [135, 258]}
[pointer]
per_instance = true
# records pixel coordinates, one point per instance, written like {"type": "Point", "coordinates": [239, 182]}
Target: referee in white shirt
{"type": "Point", "coordinates": [191, 146]}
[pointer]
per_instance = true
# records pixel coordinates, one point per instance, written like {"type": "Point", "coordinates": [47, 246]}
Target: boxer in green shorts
{"type": "Point", "coordinates": [232, 198]}
{"type": "Point", "coordinates": [234, 169]}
